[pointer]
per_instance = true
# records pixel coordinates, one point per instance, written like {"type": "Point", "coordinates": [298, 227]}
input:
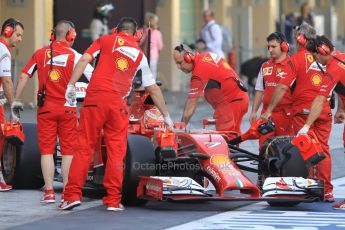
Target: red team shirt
{"type": "Point", "coordinates": [209, 66]}
{"type": "Point", "coordinates": [56, 78]}
{"type": "Point", "coordinates": [122, 54]}
{"type": "Point", "coordinates": [335, 71]}
{"type": "Point", "coordinates": [271, 73]}
{"type": "Point", "coordinates": [309, 81]}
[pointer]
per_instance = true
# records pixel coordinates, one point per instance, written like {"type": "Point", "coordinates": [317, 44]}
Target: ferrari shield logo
{"type": "Point", "coordinates": [121, 64]}
{"type": "Point", "coordinates": [120, 41]}
{"type": "Point", "coordinates": [310, 58]}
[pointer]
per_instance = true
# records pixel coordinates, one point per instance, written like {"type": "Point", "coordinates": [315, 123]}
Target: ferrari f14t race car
{"type": "Point", "coordinates": [179, 165]}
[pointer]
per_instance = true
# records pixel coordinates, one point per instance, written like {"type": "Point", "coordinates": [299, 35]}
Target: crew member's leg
{"type": "Point", "coordinates": [92, 116]}
{"type": "Point", "coordinates": [46, 134]}
{"type": "Point", "coordinates": [3, 185]}
{"type": "Point", "coordinates": [322, 130]}
{"type": "Point", "coordinates": [67, 131]}
{"type": "Point", "coordinates": [115, 134]}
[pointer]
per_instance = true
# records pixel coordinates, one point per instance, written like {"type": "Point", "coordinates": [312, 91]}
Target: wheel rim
{"type": "Point", "coordinates": [9, 161]}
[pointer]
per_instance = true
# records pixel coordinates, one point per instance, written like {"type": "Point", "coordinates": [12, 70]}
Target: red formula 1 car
{"type": "Point", "coordinates": [164, 164]}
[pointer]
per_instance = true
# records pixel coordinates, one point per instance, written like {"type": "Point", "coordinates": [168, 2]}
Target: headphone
{"type": "Point", "coordinates": [70, 35]}
{"type": "Point", "coordinates": [9, 28]}
{"type": "Point", "coordinates": [322, 48]}
{"type": "Point", "coordinates": [301, 39]}
{"type": "Point", "coordinates": [284, 46]}
{"type": "Point", "coordinates": [188, 55]}
{"type": "Point", "coordinates": [137, 34]}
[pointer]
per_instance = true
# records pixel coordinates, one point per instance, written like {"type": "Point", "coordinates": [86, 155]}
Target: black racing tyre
{"type": "Point", "coordinates": [21, 165]}
{"type": "Point", "coordinates": [140, 161]}
{"type": "Point", "coordinates": [281, 159]}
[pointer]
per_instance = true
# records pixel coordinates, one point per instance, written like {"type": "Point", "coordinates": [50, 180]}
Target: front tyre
{"type": "Point", "coordinates": [140, 161]}
{"type": "Point", "coordinates": [21, 165]}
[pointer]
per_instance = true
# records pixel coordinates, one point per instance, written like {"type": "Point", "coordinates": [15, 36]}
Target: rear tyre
{"type": "Point", "coordinates": [140, 161]}
{"type": "Point", "coordinates": [21, 164]}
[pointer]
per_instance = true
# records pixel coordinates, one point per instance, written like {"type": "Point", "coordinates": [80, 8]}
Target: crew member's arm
{"type": "Point", "coordinates": [315, 111]}
{"type": "Point", "coordinates": [339, 116]}
{"type": "Point", "coordinates": [23, 79]}
{"type": "Point", "coordinates": [259, 93]}
{"type": "Point", "coordinates": [91, 53]}
{"type": "Point", "coordinates": [256, 104]}
{"type": "Point", "coordinates": [8, 89]}
{"type": "Point", "coordinates": [189, 109]}
{"type": "Point", "coordinates": [27, 72]}
{"type": "Point", "coordinates": [155, 92]}
{"type": "Point", "coordinates": [80, 67]}
{"type": "Point", "coordinates": [197, 87]}
{"type": "Point", "coordinates": [88, 69]}
{"type": "Point", "coordinates": [157, 97]}
{"type": "Point", "coordinates": [278, 93]}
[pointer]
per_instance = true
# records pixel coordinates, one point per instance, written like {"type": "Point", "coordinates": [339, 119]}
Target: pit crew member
{"type": "Point", "coordinates": [55, 117]}
{"type": "Point", "coordinates": [334, 61]}
{"type": "Point", "coordinates": [11, 35]}
{"type": "Point", "coordinates": [105, 107]}
{"type": "Point", "coordinates": [218, 82]}
{"type": "Point", "coordinates": [279, 66]}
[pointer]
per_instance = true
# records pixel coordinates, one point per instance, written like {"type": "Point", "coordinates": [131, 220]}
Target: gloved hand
{"type": "Point", "coordinates": [168, 121]}
{"type": "Point", "coordinates": [16, 107]}
{"type": "Point", "coordinates": [303, 130]}
{"type": "Point", "coordinates": [70, 94]}
{"type": "Point", "coordinates": [3, 99]}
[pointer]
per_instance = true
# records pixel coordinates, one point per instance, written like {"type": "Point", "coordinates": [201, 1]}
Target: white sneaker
{"type": "Point", "coordinates": [69, 205]}
{"type": "Point", "coordinates": [116, 209]}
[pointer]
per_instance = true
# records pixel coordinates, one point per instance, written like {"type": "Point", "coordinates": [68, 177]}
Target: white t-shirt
{"type": "Point", "coordinates": [5, 61]}
{"type": "Point", "coordinates": [260, 82]}
{"type": "Point", "coordinates": [98, 29]}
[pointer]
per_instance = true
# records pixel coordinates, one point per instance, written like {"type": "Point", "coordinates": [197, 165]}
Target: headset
{"type": "Point", "coordinates": [301, 39]}
{"type": "Point", "coordinates": [70, 35]}
{"type": "Point", "coordinates": [284, 46]}
{"type": "Point", "coordinates": [189, 55]}
{"type": "Point", "coordinates": [137, 34]}
{"type": "Point", "coordinates": [322, 48]}
{"type": "Point", "coordinates": [9, 27]}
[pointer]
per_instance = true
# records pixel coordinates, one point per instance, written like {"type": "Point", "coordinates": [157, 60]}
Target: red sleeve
{"type": "Point", "coordinates": [94, 48]}
{"type": "Point", "coordinates": [290, 74]}
{"type": "Point", "coordinates": [197, 87]}
{"type": "Point", "coordinates": [30, 67]}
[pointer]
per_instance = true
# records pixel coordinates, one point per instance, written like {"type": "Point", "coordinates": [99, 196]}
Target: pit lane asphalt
{"type": "Point", "coordinates": [20, 209]}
